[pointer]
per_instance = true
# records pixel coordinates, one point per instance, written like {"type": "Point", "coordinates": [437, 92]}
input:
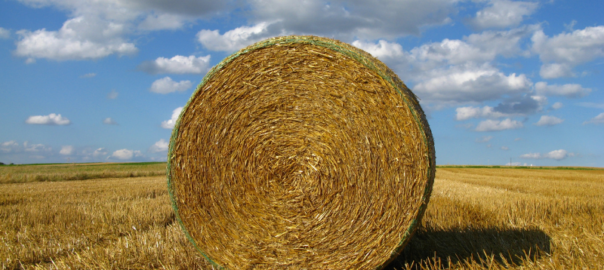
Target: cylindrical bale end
{"type": "Point", "coordinates": [301, 152]}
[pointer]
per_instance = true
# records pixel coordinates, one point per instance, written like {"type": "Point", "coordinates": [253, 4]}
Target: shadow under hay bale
{"type": "Point", "coordinates": [509, 247]}
{"type": "Point", "coordinates": [300, 152]}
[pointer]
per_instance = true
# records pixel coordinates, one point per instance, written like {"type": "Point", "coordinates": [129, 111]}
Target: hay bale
{"type": "Point", "coordinates": [300, 152]}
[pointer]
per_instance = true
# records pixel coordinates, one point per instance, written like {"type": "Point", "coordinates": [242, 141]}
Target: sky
{"type": "Point", "coordinates": [502, 82]}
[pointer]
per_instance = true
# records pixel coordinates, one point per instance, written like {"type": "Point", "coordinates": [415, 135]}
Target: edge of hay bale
{"type": "Point", "coordinates": [368, 61]}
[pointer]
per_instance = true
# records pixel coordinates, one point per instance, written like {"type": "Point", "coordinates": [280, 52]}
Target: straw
{"type": "Point", "coordinates": [300, 152]}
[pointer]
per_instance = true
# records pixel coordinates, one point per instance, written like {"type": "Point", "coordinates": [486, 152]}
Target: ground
{"type": "Point", "coordinates": [119, 217]}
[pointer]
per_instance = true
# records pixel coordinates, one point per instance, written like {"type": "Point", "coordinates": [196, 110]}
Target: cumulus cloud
{"type": "Point", "coordinates": [109, 121]}
{"type": "Point", "coordinates": [167, 85]}
{"type": "Point", "coordinates": [458, 71]}
{"type": "Point", "coordinates": [80, 38]}
{"type": "Point", "coordinates": [476, 84]}
{"type": "Point", "coordinates": [557, 105]}
{"type": "Point", "coordinates": [159, 146]}
{"type": "Point", "coordinates": [496, 125]}
{"type": "Point", "coordinates": [126, 154]}
{"type": "Point", "coordinates": [505, 148]}
{"type": "Point", "coordinates": [99, 152]}
{"type": "Point", "coordinates": [382, 50]}
{"type": "Point", "coordinates": [562, 52]}
{"type": "Point", "coordinates": [566, 90]}
{"type": "Point", "coordinates": [88, 75]}
{"type": "Point", "coordinates": [28, 147]}
{"type": "Point", "coordinates": [556, 155]}
{"type": "Point", "coordinates": [346, 19]}
{"type": "Point", "coordinates": [51, 119]}
{"type": "Point", "coordinates": [599, 119]}
{"type": "Point", "coordinates": [4, 33]}
{"type": "Point", "coordinates": [9, 146]}
{"type": "Point", "coordinates": [464, 113]}
{"type": "Point", "coordinates": [547, 120]}
{"type": "Point", "coordinates": [521, 105]}
{"type": "Point", "coordinates": [98, 29]}
{"type": "Point", "coordinates": [15, 147]}
{"type": "Point", "coordinates": [177, 65]}
{"type": "Point", "coordinates": [66, 150]}
{"type": "Point", "coordinates": [503, 13]}
{"type": "Point", "coordinates": [235, 39]}
{"type": "Point", "coordinates": [163, 21]}
{"type": "Point", "coordinates": [169, 124]}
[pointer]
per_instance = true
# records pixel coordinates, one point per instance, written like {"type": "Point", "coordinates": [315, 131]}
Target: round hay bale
{"type": "Point", "coordinates": [300, 152]}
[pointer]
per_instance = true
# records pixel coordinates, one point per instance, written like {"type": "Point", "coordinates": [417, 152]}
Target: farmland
{"type": "Point", "coordinates": [117, 216]}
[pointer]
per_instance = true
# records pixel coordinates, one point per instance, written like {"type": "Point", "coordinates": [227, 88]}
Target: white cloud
{"type": "Point", "coordinates": [163, 21]}
{"type": "Point", "coordinates": [234, 39]}
{"type": "Point", "coordinates": [496, 125]}
{"type": "Point", "coordinates": [557, 105]}
{"type": "Point", "coordinates": [599, 119]}
{"type": "Point", "coordinates": [476, 48]}
{"type": "Point", "coordinates": [126, 154]}
{"type": "Point", "coordinates": [547, 120]}
{"type": "Point", "coordinates": [159, 146]}
{"type": "Point", "coordinates": [562, 52]}
{"type": "Point", "coordinates": [566, 90]}
{"type": "Point", "coordinates": [570, 27]}
{"type": "Point", "coordinates": [347, 19]}
{"type": "Point", "coordinates": [505, 148]}
{"type": "Point", "coordinates": [167, 85]}
{"type": "Point", "coordinates": [484, 139]}
{"type": "Point", "coordinates": [4, 33]}
{"type": "Point", "coordinates": [464, 113]}
{"type": "Point", "coordinates": [113, 94]}
{"type": "Point", "coordinates": [556, 154]}
{"type": "Point", "coordinates": [9, 146]}
{"type": "Point", "coordinates": [14, 147]}
{"type": "Point", "coordinates": [552, 71]}
{"type": "Point", "coordinates": [99, 152]}
{"type": "Point", "coordinates": [88, 75]}
{"type": "Point", "coordinates": [458, 71]}
{"type": "Point", "coordinates": [476, 84]}
{"type": "Point", "coordinates": [80, 38]}
{"type": "Point", "coordinates": [66, 150]}
{"type": "Point", "coordinates": [382, 50]}
{"type": "Point", "coordinates": [109, 121]}
{"type": "Point", "coordinates": [503, 13]}
{"type": "Point", "coordinates": [177, 65]}
{"type": "Point", "coordinates": [531, 155]}
{"type": "Point", "coordinates": [169, 124]}
{"type": "Point", "coordinates": [36, 147]}
{"type": "Point", "coordinates": [51, 119]}
{"type": "Point", "coordinates": [96, 29]}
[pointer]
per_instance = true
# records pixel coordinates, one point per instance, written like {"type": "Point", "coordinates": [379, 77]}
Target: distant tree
{"type": "Point", "coordinates": [11, 164]}
{"type": "Point", "coordinates": [1, 163]}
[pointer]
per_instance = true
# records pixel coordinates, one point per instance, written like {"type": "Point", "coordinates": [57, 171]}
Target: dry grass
{"type": "Point", "coordinates": [476, 219]}
{"type": "Point", "coordinates": [63, 172]}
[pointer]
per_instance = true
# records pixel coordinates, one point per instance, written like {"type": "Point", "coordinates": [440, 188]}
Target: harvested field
{"type": "Point", "coordinates": [82, 171]}
{"type": "Point", "coordinates": [478, 218]}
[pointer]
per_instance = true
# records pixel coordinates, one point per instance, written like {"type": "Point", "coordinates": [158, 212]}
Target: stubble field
{"type": "Point", "coordinates": [478, 218]}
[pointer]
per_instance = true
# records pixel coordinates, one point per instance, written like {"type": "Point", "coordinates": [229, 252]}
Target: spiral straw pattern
{"type": "Point", "coordinates": [300, 152]}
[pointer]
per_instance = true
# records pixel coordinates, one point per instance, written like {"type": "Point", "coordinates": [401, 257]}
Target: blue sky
{"type": "Point", "coordinates": [500, 80]}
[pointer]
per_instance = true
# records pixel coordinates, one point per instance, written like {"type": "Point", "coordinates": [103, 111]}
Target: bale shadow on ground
{"type": "Point", "coordinates": [458, 245]}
